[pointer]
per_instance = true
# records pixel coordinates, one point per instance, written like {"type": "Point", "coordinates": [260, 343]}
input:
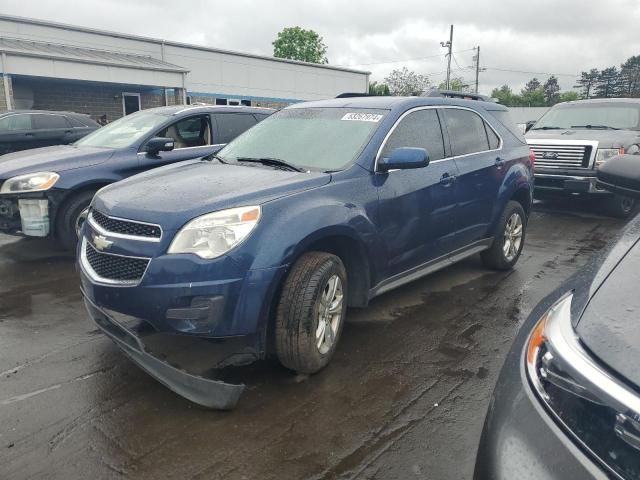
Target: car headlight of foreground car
{"type": "Point", "coordinates": [604, 154]}
{"type": "Point", "coordinates": [214, 234]}
{"type": "Point", "coordinates": [31, 182]}
{"type": "Point", "coordinates": [600, 411]}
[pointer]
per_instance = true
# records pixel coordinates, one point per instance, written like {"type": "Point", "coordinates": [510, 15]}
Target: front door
{"type": "Point", "coordinates": [417, 207]}
{"type": "Point", "coordinates": [476, 149]}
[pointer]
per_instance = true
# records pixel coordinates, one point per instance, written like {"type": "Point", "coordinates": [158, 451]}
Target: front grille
{"type": "Point", "coordinates": [126, 227]}
{"type": "Point", "coordinates": [562, 156]}
{"type": "Point", "coordinates": [114, 267]}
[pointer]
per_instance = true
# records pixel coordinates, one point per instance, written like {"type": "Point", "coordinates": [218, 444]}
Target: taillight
{"type": "Point", "coordinates": [532, 158]}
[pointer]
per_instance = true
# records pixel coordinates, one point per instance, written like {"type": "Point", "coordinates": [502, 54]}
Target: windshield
{"type": "Point", "coordinates": [623, 116]}
{"type": "Point", "coordinates": [123, 132]}
{"type": "Point", "coordinates": [324, 139]}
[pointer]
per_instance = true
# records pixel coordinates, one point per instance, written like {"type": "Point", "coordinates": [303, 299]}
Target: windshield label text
{"type": "Point", "coordinates": [363, 117]}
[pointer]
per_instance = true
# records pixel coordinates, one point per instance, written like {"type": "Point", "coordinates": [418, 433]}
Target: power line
{"type": "Point", "coordinates": [533, 73]}
{"type": "Point", "coordinates": [400, 61]}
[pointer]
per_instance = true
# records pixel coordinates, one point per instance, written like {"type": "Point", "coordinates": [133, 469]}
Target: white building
{"type": "Point", "coordinates": [52, 66]}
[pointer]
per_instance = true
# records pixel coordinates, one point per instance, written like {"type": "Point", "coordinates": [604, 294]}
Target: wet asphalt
{"type": "Point", "coordinates": [405, 396]}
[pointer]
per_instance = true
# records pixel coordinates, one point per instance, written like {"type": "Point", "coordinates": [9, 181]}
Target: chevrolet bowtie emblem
{"type": "Point", "coordinates": [101, 243]}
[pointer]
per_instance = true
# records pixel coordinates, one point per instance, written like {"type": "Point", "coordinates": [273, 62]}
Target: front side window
{"type": "Point", "coordinates": [614, 115]}
{"type": "Point", "coordinates": [189, 132]}
{"type": "Point", "coordinates": [124, 132]}
{"type": "Point", "coordinates": [419, 129]}
{"type": "Point", "coordinates": [15, 122]}
{"type": "Point", "coordinates": [467, 132]}
{"type": "Point", "coordinates": [320, 139]}
{"type": "Point", "coordinates": [230, 125]}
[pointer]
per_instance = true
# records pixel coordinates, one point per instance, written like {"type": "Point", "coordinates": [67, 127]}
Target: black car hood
{"type": "Point", "coordinates": [605, 138]}
{"type": "Point", "coordinates": [610, 324]}
{"type": "Point", "coordinates": [170, 196]}
{"type": "Point", "coordinates": [51, 159]}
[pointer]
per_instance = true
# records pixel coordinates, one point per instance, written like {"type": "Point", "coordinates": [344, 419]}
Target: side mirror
{"type": "Point", "coordinates": [159, 144]}
{"type": "Point", "coordinates": [404, 158]}
{"type": "Point", "coordinates": [529, 125]}
{"type": "Point", "coordinates": [621, 175]}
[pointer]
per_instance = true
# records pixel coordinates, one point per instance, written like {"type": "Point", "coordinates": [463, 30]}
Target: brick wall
{"type": "Point", "coordinates": [91, 99]}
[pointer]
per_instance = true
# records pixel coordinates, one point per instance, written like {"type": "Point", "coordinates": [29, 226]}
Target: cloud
{"type": "Point", "coordinates": [561, 36]}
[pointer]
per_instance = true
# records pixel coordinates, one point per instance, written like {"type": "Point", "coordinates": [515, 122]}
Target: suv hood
{"type": "Point", "coordinates": [171, 196]}
{"type": "Point", "coordinates": [606, 138]}
{"type": "Point", "coordinates": [51, 159]}
{"type": "Point", "coordinates": [610, 324]}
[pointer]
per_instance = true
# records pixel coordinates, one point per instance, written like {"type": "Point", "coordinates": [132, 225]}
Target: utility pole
{"type": "Point", "coordinates": [449, 46]}
{"type": "Point", "coordinates": [477, 60]}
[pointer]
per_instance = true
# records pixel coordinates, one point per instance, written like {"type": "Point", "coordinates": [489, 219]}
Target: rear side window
{"type": "Point", "coordinates": [15, 122]}
{"type": "Point", "coordinates": [419, 129]}
{"type": "Point", "coordinates": [230, 125]}
{"type": "Point", "coordinates": [42, 122]}
{"type": "Point", "coordinates": [467, 131]}
{"type": "Point", "coordinates": [494, 141]}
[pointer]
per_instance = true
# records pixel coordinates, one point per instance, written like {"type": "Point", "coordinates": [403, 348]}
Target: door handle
{"type": "Point", "coordinates": [447, 180]}
{"type": "Point", "coordinates": [499, 162]}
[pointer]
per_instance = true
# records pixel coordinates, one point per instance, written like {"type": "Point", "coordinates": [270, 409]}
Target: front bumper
{"type": "Point", "coordinates": [520, 439]}
{"type": "Point", "coordinates": [206, 392]}
{"type": "Point", "coordinates": [10, 217]}
{"type": "Point", "coordinates": [567, 183]}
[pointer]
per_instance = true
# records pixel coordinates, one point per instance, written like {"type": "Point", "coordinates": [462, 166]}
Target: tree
{"type": "Point", "coordinates": [405, 82]}
{"type": "Point", "coordinates": [630, 77]}
{"type": "Point", "coordinates": [608, 83]}
{"type": "Point", "coordinates": [376, 88]}
{"type": "Point", "coordinates": [551, 91]}
{"type": "Point", "coordinates": [505, 96]}
{"type": "Point", "coordinates": [569, 96]}
{"type": "Point", "coordinates": [587, 82]}
{"type": "Point", "coordinates": [531, 86]}
{"type": "Point", "coordinates": [458, 84]}
{"type": "Point", "coordinates": [296, 43]}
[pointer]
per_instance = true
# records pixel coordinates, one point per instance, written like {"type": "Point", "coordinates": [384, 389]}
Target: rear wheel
{"type": "Point", "coordinates": [71, 218]}
{"type": "Point", "coordinates": [311, 312]}
{"type": "Point", "coordinates": [620, 206]}
{"type": "Point", "coordinates": [508, 240]}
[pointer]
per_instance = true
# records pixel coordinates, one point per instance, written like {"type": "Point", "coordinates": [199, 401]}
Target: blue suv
{"type": "Point", "coordinates": [322, 206]}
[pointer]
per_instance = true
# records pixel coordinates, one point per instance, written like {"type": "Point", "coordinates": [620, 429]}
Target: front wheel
{"type": "Point", "coordinates": [311, 312]}
{"type": "Point", "coordinates": [71, 217]}
{"type": "Point", "coordinates": [508, 240]}
{"type": "Point", "coordinates": [620, 206]}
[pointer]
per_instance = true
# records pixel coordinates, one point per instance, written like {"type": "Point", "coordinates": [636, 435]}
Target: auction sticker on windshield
{"type": "Point", "coordinates": [363, 117]}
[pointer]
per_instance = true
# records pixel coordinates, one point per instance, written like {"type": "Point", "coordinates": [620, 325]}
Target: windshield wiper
{"type": "Point", "coordinates": [548, 128]}
{"type": "Point", "coordinates": [599, 127]}
{"type": "Point", "coordinates": [274, 162]}
{"type": "Point", "coordinates": [214, 156]}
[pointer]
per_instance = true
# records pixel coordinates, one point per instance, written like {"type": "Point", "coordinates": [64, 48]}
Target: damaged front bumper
{"type": "Point", "coordinates": [26, 214]}
{"type": "Point", "coordinates": [206, 392]}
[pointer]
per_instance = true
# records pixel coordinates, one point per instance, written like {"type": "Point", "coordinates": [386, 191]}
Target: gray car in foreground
{"type": "Point", "coordinates": [573, 139]}
{"type": "Point", "coordinates": [567, 402]}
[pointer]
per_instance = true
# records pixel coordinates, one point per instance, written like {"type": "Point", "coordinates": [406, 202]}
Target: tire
{"type": "Point", "coordinates": [69, 216]}
{"type": "Point", "coordinates": [506, 238]}
{"type": "Point", "coordinates": [301, 344]}
{"type": "Point", "coordinates": [620, 207]}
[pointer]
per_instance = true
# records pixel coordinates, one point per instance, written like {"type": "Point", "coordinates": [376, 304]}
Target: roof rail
{"type": "Point", "coordinates": [457, 94]}
{"type": "Point", "coordinates": [353, 95]}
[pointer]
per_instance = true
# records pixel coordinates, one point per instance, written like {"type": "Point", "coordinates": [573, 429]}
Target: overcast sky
{"type": "Point", "coordinates": [562, 37]}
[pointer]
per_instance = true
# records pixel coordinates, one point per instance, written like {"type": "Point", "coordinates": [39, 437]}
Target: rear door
{"type": "Point", "coordinates": [192, 139]}
{"type": "Point", "coordinates": [417, 207]}
{"type": "Point", "coordinates": [51, 129]}
{"type": "Point", "coordinates": [16, 133]}
{"type": "Point", "coordinates": [477, 150]}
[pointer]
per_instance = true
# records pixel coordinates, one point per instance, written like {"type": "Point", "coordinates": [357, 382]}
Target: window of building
{"type": "Point", "coordinates": [221, 101]}
{"type": "Point", "coordinates": [419, 129]}
{"type": "Point", "coordinates": [467, 132]}
{"type": "Point", "coordinates": [246, 103]}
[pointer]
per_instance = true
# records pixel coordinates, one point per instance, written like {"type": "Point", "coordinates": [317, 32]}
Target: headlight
{"type": "Point", "coordinates": [31, 182]}
{"type": "Point", "coordinates": [214, 234]}
{"type": "Point", "coordinates": [633, 149]}
{"type": "Point", "coordinates": [601, 412]}
{"type": "Point", "coordinates": [604, 154]}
